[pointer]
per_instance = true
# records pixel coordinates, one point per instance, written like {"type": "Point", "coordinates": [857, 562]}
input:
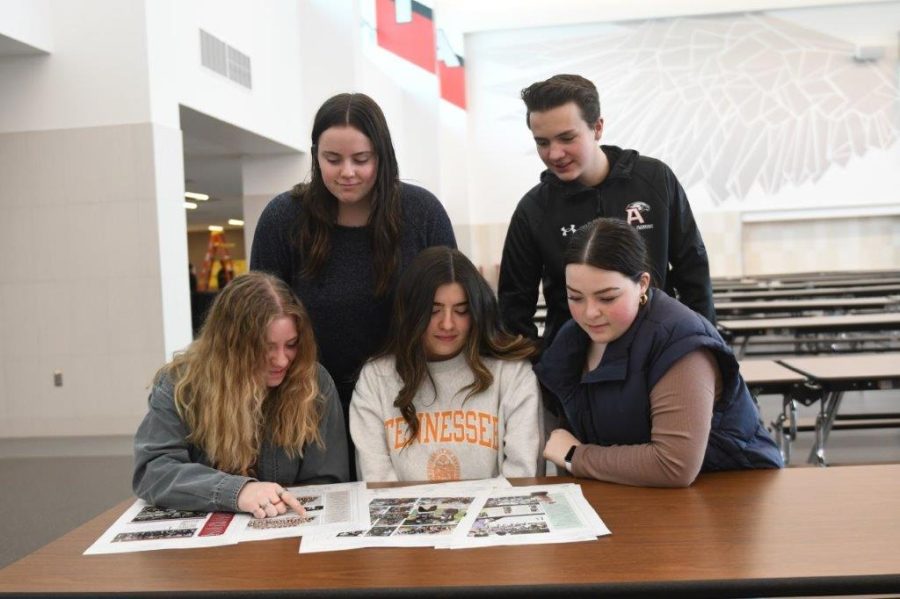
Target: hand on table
{"type": "Point", "coordinates": [558, 446]}
{"type": "Point", "coordinates": [266, 500]}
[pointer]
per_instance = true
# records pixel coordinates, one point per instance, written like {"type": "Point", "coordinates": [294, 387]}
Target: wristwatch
{"type": "Point", "coordinates": [568, 458]}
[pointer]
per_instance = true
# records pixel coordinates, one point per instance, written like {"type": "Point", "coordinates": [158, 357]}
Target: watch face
{"type": "Point", "coordinates": [570, 453]}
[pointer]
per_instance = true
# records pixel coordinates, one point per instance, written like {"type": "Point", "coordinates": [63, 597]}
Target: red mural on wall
{"type": "Point", "coordinates": [453, 83]}
{"type": "Point", "coordinates": [415, 41]}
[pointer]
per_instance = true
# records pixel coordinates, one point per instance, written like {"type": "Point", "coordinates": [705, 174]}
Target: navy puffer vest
{"type": "Point", "coordinates": [611, 404]}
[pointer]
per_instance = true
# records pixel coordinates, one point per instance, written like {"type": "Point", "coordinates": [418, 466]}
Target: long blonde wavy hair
{"type": "Point", "coordinates": [220, 380]}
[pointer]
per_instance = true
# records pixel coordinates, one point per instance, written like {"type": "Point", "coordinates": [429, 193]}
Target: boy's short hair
{"type": "Point", "coordinates": [559, 90]}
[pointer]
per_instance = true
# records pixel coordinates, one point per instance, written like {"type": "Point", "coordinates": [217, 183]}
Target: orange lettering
{"type": "Point", "coordinates": [431, 432]}
{"type": "Point", "coordinates": [445, 432]}
{"type": "Point", "coordinates": [482, 429]}
{"type": "Point", "coordinates": [459, 434]}
{"type": "Point", "coordinates": [472, 434]}
{"type": "Point", "coordinates": [496, 444]}
{"type": "Point", "coordinates": [393, 423]}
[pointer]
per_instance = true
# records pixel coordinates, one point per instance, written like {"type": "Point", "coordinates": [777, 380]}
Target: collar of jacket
{"type": "Point", "coordinates": [565, 358]}
{"type": "Point", "coordinates": [621, 165]}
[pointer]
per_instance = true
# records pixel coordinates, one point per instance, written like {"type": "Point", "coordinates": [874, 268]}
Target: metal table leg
{"type": "Point", "coordinates": [828, 409]}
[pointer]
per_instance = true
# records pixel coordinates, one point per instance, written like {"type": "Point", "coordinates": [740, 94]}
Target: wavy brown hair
{"type": "Point", "coordinates": [317, 220]}
{"type": "Point", "coordinates": [220, 380]}
{"type": "Point", "coordinates": [413, 304]}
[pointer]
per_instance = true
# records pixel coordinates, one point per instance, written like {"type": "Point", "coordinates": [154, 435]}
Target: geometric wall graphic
{"type": "Point", "coordinates": [729, 102]}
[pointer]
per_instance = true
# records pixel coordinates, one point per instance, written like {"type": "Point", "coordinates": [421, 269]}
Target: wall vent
{"type": "Point", "coordinates": [229, 62]}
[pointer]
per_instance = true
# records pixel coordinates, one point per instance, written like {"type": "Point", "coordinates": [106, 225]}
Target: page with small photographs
{"type": "Point", "coordinates": [328, 507]}
{"type": "Point", "coordinates": [533, 515]}
{"type": "Point", "coordinates": [401, 519]}
{"type": "Point", "coordinates": [144, 527]}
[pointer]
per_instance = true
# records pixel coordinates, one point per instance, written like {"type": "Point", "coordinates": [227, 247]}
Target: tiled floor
{"type": "Point", "coordinates": [43, 498]}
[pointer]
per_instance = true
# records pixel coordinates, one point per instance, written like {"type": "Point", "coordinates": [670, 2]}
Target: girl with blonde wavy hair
{"type": "Point", "coordinates": [452, 396]}
{"type": "Point", "coordinates": [244, 411]}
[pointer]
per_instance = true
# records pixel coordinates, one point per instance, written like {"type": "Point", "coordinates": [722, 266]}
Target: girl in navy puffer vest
{"type": "Point", "coordinates": [652, 393]}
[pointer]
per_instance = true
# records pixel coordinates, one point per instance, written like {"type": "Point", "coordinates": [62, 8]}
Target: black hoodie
{"type": "Point", "coordinates": [638, 189]}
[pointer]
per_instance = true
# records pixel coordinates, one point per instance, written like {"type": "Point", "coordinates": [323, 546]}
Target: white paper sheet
{"type": "Point", "coordinates": [144, 527]}
{"type": "Point", "coordinates": [412, 516]}
{"type": "Point", "coordinates": [328, 507]}
{"type": "Point", "coordinates": [532, 515]}
{"type": "Point", "coordinates": [468, 514]}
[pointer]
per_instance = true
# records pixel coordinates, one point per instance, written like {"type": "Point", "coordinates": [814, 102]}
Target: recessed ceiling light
{"type": "Point", "coordinates": [236, 222]}
{"type": "Point", "coordinates": [190, 205]}
{"type": "Point", "coordinates": [196, 196]}
{"type": "Point", "coordinates": [216, 228]}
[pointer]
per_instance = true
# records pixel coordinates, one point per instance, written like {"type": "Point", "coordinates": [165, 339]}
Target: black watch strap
{"type": "Point", "coordinates": [569, 455]}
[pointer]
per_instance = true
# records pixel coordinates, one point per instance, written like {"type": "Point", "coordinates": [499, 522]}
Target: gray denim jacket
{"type": "Point", "coordinates": [171, 472]}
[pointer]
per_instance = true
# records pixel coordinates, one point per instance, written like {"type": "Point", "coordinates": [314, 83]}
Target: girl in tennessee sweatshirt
{"type": "Point", "coordinates": [452, 396]}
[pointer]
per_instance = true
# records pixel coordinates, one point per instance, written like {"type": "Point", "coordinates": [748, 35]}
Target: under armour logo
{"type": "Point", "coordinates": [567, 230]}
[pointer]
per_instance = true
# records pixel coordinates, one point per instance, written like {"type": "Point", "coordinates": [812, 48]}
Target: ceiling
{"type": "Point", "coordinates": [213, 155]}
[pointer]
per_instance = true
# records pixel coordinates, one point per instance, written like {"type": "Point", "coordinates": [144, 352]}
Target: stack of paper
{"type": "Point", "coordinates": [348, 516]}
{"type": "Point", "coordinates": [466, 514]}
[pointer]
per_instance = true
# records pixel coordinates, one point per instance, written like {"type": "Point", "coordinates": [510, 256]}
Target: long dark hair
{"type": "Point", "coordinates": [610, 244]}
{"type": "Point", "coordinates": [313, 236]}
{"type": "Point", "coordinates": [413, 305]}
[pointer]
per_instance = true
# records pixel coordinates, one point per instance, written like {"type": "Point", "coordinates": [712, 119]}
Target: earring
{"type": "Point", "coordinates": [644, 298]}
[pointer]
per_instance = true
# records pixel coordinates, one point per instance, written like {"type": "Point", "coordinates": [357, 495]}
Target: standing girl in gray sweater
{"type": "Point", "coordinates": [452, 396]}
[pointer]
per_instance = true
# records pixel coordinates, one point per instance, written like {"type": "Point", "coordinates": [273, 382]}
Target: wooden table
{"type": "Point", "coordinates": [768, 532]}
{"type": "Point", "coordinates": [837, 374]}
{"type": "Point", "coordinates": [856, 291]}
{"type": "Point", "coordinates": [834, 275]}
{"type": "Point", "coordinates": [813, 283]}
{"type": "Point", "coordinates": [863, 291]}
{"type": "Point", "coordinates": [799, 306]}
{"type": "Point", "coordinates": [744, 329]}
{"type": "Point", "coordinates": [793, 281]}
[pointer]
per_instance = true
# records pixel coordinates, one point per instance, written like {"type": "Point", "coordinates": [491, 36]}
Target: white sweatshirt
{"type": "Point", "coordinates": [496, 432]}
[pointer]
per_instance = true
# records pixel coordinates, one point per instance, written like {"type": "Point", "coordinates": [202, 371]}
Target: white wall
{"type": "Point", "coordinates": [27, 23]}
{"type": "Point", "coordinates": [96, 75]}
{"type": "Point", "coordinates": [265, 31]}
{"type": "Point", "coordinates": [93, 245]}
{"type": "Point", "coordinates": [753, 111]}
{"type": "Point", "coordinates": [469, 16]}
{"type": "Point", "coordinates": [330, 51]}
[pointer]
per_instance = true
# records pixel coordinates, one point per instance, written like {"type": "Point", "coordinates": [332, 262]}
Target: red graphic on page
{"type": "Point", "coordinates": [216, 525]}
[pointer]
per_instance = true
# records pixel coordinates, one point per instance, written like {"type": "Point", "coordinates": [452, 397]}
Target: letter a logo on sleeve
{"type": "Point", "coordinates": [634, 212]}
